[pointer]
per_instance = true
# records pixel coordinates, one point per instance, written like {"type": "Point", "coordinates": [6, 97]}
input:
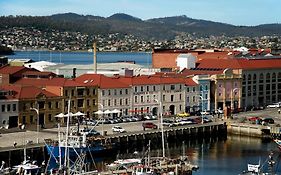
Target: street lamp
{"type": "Point", "coordinates": [201, 108]}
{"type": "Point", "coordinates": [102, 112]}
{"type": "Point", "coordinates": [37, 112]}
{"type": "Point", "coordinates": [161, 124]}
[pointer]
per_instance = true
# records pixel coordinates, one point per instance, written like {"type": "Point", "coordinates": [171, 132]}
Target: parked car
{"type": "Point", "coordinates": [274, 105]}
{"type": "Point", "coordinates": [150, 117]}
{"type": "Point", "coordinates": [149, 125]}
{"type": "Point", "coordinates": [267, 121]}
{"type": "Point", "coordinates": [89, 122]}
{"type": "Point", "coordinates": [254, 118]}
{"type": "Point", "coordinates": [184, 114]}
{"type": "Point", "coordinates": [89, 132]}
{"type": "Point", "coordinates": [207, 119]}
{"type": "Point", "coordinates": [185, 122]}
{"type": "Point", "coordinates": [168, 123]}
{"type": "Point", "coordinates": [118, 129]}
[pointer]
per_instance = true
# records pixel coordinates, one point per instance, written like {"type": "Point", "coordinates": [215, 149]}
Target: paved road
{"type": "Point", "coordinates": [7, 140]}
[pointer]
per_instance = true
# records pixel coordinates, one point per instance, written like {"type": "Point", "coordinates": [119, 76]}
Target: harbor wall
{"type": "Point", "coordinates": [249, 130]}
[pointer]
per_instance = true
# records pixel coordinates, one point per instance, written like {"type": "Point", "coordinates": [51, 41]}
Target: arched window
{"type": "Point", "coordinates": [268, 77]}
{"type": "Point", "coordinates": [261, 78]}
{"type": "Point", "coordinates": [249, 79]}
{"type": "Point", "coordinates": [279, 76]}
{"type": "Point", "coordinates": [244, 79]}
{"type": "Point", "coordinates": [254, 78]}
{"type": "Point", "coordinates": [273, 77]}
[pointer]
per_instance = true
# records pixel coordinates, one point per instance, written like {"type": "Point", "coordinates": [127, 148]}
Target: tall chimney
{"type": "Point", "coordinates": [95, 56]}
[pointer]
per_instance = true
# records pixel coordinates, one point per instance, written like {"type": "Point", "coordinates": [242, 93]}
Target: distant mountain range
{"type": "Point", "coordinates": [157, 28]}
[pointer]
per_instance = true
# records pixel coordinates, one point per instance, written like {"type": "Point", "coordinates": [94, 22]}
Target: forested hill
{"type": "Point", "coordinates": [157, 28]}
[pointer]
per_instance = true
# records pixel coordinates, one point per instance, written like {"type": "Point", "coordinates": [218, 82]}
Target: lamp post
{"type": "Point", "coordinates": [202, 108]}
{"type": "Point", "coordinates": [37, 112]}
{"type": "Point", "coordinates": [161, 124]}
{"type": "Point", "coordinates": [102, 117]}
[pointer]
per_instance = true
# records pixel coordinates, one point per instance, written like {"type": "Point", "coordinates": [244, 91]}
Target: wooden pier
{"type": "Point", "coordinates": [170, 132]}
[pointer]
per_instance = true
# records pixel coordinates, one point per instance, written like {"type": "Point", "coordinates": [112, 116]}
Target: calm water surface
{"type": "Point", "coordinates": [217, 156]}
{"type": "Point", "coordinates": [142, 58]}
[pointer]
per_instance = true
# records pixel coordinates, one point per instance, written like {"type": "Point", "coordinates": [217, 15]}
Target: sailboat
{"type": "Point", "coordinates": [156, 165]}
{"type": "Point", "coordinates": [69, 154]}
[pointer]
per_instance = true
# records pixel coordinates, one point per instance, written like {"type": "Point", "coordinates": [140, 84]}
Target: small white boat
{"type": "Point", "coordinates": [27, 168]}
{"type": "Point", "coordinates": [123, 164]}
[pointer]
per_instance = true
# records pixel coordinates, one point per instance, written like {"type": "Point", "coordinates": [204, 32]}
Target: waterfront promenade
{"type": "Point", "coordinates": [29, 137]}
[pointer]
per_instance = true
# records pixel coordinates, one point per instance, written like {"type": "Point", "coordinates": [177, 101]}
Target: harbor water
{"type": "Point", "coordinates": [214, 156]}
{"type": "Point", "coordinates": [142, 58]}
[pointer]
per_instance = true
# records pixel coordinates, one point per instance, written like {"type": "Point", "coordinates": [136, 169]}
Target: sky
{"type": "Point", "coordinates": [236, 12]}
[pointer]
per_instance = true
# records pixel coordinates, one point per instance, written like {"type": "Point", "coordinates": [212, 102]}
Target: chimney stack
{"type": "Point", "coordinates": [95, 56]}
{"type": "Point", "coordinates": [74, 72]}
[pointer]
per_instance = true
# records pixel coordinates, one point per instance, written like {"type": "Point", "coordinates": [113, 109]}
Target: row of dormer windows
{"type": "Point", "coordinates": [115, 92]}
{"type": "Point", "coordinates": [80, 92]}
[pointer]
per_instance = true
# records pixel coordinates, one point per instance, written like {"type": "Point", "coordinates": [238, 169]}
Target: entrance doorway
{"type": "Point", "coordinates": [154, 111]}
{"type": "Point", "coordinates": [13, 121]}
{"type": "Point", "coordinates": [172, 109]}
{"type": "Point", "coordinates": [41, 119]}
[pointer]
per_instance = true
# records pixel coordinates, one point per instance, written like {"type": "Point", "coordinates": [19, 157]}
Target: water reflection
{"type": "Point", "coordinates": [215, 156]}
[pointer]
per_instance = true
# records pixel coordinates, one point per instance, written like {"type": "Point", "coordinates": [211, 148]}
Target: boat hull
{"type": "Point", "coordinates": [56, 151]}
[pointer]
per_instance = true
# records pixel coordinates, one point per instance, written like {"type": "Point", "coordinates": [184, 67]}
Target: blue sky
{"type": "Point", "coordinates": [237, 12]}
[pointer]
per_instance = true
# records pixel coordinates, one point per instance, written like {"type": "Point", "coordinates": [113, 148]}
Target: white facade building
{"type": "Point", "coordinates": [8, 110]}
{"type": "Point", "coordinates": [185, 61]}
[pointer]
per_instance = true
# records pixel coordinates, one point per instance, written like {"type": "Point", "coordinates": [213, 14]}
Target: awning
{"type": "Point", "coordinates": [136, 111]}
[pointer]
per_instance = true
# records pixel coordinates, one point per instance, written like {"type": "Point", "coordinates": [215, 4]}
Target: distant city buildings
{"type": "Point", "coordinates": [19, 38]}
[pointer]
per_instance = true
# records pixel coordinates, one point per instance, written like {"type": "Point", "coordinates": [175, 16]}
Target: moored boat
{"type": "Point", "coordinates": [258, 169]}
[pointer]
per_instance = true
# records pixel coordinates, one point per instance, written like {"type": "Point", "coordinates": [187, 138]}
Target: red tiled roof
{"type": "Point", "coordinates": [30, 72]}
{"type": "Point", "coordinates": [241, 63]}
{"type": "Point", "coordinates": [190, 82]}
{"type": "Point", "coordinates": [102, 81]}
{"type": "Point", "coordinates": [11, 69]}
{"type": "Point", "coordinates": [26, 92]}
{"type": "Point", "coordinates": [188, 72]}
{"type": "Point", "coordinates": [43, 82]}
{"type": "Point", "coordinates": [213, 55]}
{"type": "Point", "coordinates": [152, 79]}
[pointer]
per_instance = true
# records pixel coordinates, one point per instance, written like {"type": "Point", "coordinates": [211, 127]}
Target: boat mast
{"type": "Point", "coordinates": [59, 146]}
{"type": "Point", "coordinates": [66, 158]}
{"type": "Point", "coordinates": [162, 130]}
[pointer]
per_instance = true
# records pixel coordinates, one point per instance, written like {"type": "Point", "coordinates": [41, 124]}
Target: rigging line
{"type": "Point", "coordinates": [46, 168]}
{"type": "Point", "coordinates": [78, 155]}
{"type": "Point", "coordinates": [51, 151]}
{"type": "Point", "coordinates": [92, 158]}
